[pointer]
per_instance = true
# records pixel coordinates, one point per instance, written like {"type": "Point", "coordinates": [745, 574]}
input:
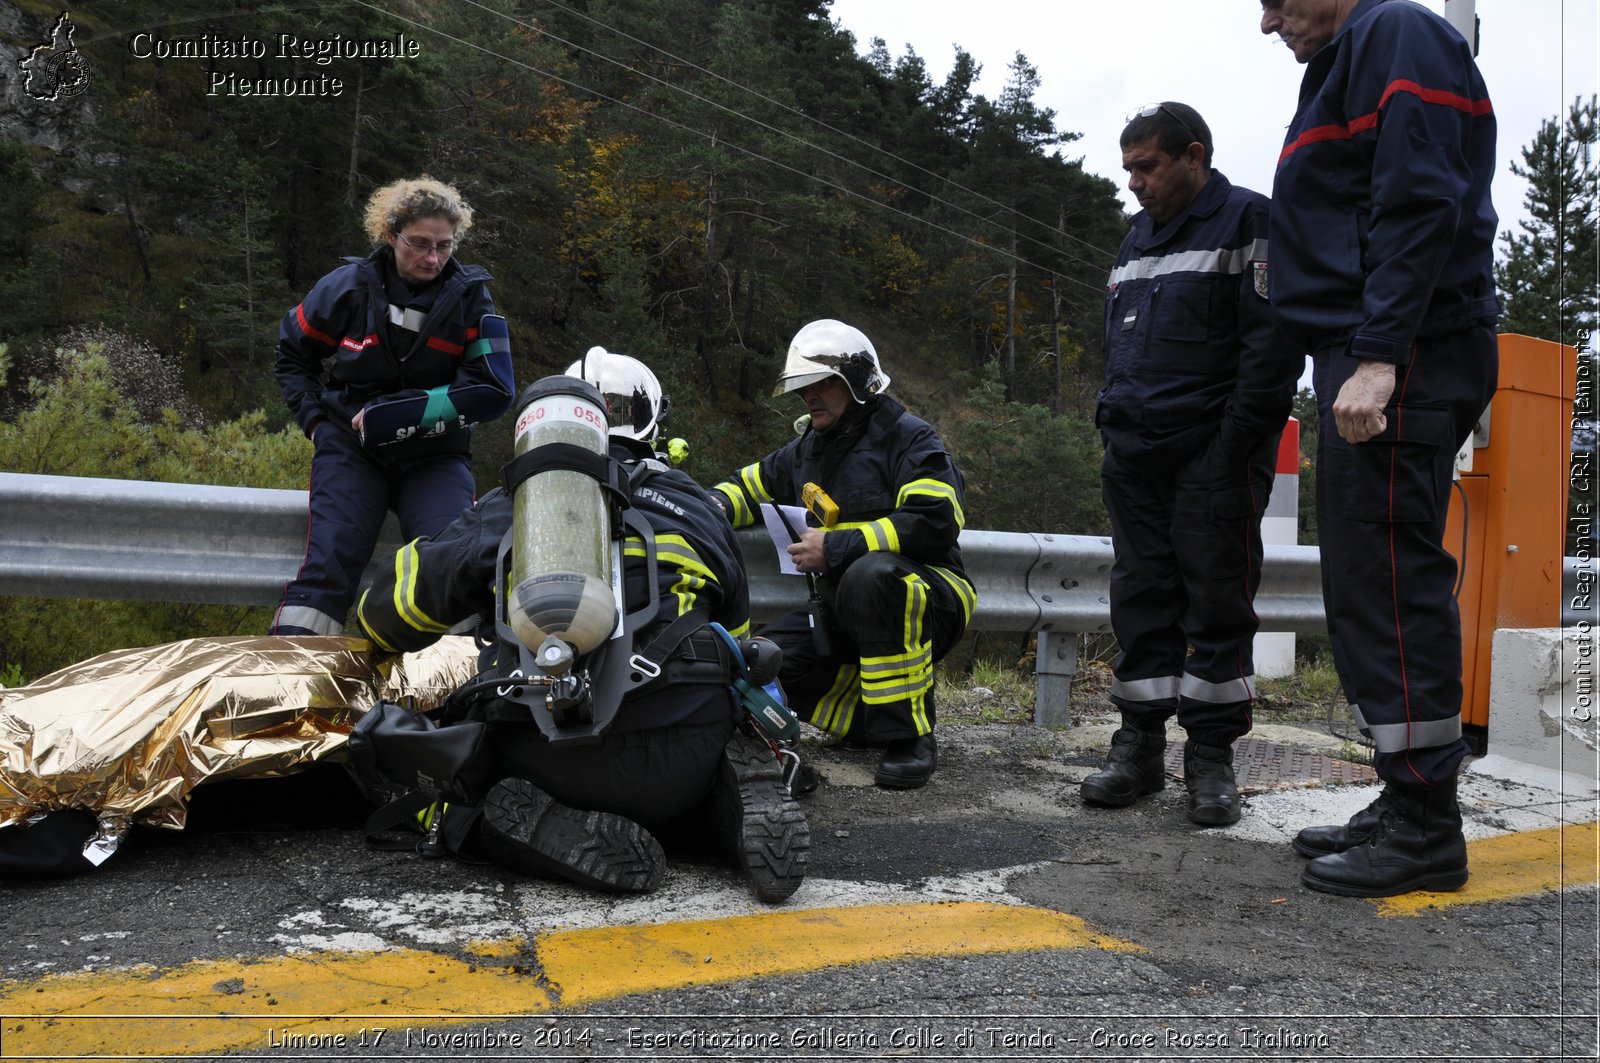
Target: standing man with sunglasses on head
{"type": "Point", "coordinates": [1385, 235]}
{"type": "Point", "coordinates": [1198, 387]}
{"type": "Point", "coordinates": [386, 365]}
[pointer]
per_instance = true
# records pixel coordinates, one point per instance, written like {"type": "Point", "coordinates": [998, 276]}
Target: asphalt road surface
{"type": "Point", "coordinates": [989, 916]}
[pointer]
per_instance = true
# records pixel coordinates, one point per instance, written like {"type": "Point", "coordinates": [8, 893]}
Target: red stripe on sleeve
{"type": "Point", "coordinates": [1318, 134]}
{"type": "Point", "coordinates": [305, 326]}
{"type": "Point", "coordinates": [1476, 108]}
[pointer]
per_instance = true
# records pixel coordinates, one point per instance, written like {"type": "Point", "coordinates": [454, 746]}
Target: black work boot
{"type": "Point", "coordinates": [907, 763]}
{"type": "Point", "coordinates": [1213, 792]}
{"type": "Point", "coordinates": [1135, 766]}
{"type": "Point", "coordinates": [525, 828]}
{"type": "Point", "coordinates": [1320, 841]}
{"type": "Point", "coordinates": [1416, 845]}
{"type": "Point", "coordinates": [757, 819]}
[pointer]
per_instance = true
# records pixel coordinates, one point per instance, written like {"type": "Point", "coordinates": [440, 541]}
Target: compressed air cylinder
{"type": "Point", "coordinates": [560, 524]}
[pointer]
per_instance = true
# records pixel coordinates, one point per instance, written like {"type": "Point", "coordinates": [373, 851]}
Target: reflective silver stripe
{"type": "Point", "coordinates": [1360, 721]}
{"type": "Point", "coordinates": [1157, 689]}
{"type": "Point", "coordinates": [303, 616]}
{"type": "Point", "coordinates": [1217, 260]}
{"type": "Point", "coordinates": [1399, 737]}
{"type": "Point", "coordinates": [407, 317]}
{"type": "Point", "coordinates": [1234, 690]}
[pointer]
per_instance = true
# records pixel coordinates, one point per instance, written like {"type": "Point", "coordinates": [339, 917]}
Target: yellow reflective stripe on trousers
{"type": "Point", "coordinates": [915, 621]}
{"type": "Point", "coordinates": [963, 588]}
{"type": "Point", "coordinates": [836, 709]}
{"type": "Point", "coordinates": [905, 676]}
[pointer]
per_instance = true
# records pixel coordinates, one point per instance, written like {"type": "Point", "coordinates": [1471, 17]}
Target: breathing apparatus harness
{"type": "Point", "coordinates": [586, 661]}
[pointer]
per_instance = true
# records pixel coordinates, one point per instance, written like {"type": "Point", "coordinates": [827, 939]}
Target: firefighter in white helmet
{"type": "Point", "coordinates": [676, 757]}
{"type": "Point", "coordinates": [879, 543]}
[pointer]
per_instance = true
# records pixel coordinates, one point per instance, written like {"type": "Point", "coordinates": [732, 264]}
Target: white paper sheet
{"type": "Point", "coordinates": [780, 535]}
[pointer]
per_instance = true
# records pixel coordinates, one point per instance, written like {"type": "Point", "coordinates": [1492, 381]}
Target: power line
{"type": "Point", "coordinates": [806, 143]}
{"type": "Point", "coordinates": [727, 143]}
{"type": "Point", "coordinates": [839, 132]}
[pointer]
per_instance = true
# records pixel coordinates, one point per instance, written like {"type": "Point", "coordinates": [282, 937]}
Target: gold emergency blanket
{"type": "Point", "coordinates": [128, 734]}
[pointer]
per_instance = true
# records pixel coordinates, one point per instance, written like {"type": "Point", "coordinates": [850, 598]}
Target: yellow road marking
{"type": "Point", "coordinates": [1515, 865]}
{"type": "Point", "coordinates": [312, 1001]}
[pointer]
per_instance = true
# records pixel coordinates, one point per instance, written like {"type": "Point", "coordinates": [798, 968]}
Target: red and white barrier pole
{"type": "Point", "coordinates": [1274, 650]}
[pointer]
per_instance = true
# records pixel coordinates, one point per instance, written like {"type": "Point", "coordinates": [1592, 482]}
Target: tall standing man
{"type": "Point", "coordinates": [1198, 387]}
{"type": "Point", "coordinates": [1383, 240]}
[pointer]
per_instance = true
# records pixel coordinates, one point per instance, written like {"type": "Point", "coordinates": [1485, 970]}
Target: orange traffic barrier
{"type": "Point", "coordinates": [1512, 504]}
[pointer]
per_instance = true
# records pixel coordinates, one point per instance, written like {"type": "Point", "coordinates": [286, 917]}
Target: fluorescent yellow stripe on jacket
{"type": "Point", "coordinates": [693, 575]}
{"type": "Point", "coordinates": [740, 495]}
{"type": "Point", "coordinates": [366, 626]}
{"type": "Point", "coordinates": [879, 534]}
{"type": "Point", "coordinates": [406, 564]}
{"type": "Point", "coordinates": [934, 489]}
{"type": "Point", "coordinates": [739, 512]}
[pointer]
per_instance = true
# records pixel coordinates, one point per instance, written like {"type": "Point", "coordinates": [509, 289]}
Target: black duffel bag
{"type": "Point", "coordinates": [416, 770]}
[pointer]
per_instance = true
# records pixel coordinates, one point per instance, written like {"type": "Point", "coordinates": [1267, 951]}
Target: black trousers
{"type": "Point", "coordinates": [1388, 583]}
{"type": "Point", "coordinates": [652, 775]}
{"type": "Point", "coordinates": [891, 619]}
{"type": "Point", "coordinates": [1187, 541]}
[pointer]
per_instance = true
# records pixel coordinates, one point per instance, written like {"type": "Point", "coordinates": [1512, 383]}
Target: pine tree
{"type": "Point", "coordinates": [1547, 279]}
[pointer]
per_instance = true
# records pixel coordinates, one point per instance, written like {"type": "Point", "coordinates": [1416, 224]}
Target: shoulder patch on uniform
{"type": "Point", "coordinates": [1258, 272]}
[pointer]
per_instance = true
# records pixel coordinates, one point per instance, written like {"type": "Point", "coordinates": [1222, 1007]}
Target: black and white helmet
{"type": "Point", "coordinates": [635, 407]}
{"type": "Point", "coordinates": [831, 348]}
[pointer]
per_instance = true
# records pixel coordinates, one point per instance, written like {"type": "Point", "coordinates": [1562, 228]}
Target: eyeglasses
{"type": "Point", "coordinates": [422, 247]}
{"type": "Point", "coordinates": [1149, 110]}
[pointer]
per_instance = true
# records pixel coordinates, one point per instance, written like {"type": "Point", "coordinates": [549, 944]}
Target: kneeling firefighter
{"type": "Point", "coordinates": [620, 696]}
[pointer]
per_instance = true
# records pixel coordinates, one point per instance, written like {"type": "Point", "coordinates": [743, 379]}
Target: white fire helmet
{"type": "Point", "coordinates": [635, 407]}
{"type": "Point", "coordinates": [831, 348]}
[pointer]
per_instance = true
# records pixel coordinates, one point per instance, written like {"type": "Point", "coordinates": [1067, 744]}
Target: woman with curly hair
{"type": "Point", "coordinates": [387, 364]}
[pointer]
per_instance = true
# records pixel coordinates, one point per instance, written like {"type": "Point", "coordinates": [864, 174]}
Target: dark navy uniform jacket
{"type": "Point", "coordinates": [340, 350]}
{"type": "Point", "coordinates": [1191, 350]}
{"type": "Point", "coordinates": [1385, 230]}
{"type": "Point", "coordinates": [436, 583]}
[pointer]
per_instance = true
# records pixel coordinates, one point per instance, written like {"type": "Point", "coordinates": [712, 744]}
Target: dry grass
{"type": "Point", "coordinates": [991, 692]}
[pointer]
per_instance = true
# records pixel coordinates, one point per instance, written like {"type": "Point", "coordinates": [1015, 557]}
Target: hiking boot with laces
{"type": "Point", "coordinates": [1417, 845]}
{"type": "Point", "coordinates": [1321, 841]}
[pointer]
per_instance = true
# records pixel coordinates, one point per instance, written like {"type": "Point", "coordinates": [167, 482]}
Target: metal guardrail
{"type": "Point", "coordinates": [81, 537]}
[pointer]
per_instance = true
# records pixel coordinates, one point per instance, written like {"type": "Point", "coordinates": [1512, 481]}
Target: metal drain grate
{"type": "Point", "coordinates": [1261, 766]}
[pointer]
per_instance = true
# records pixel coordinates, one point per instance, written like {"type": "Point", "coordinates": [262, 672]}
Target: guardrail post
{"type": "Point", "coordinates": [1055, 663]}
